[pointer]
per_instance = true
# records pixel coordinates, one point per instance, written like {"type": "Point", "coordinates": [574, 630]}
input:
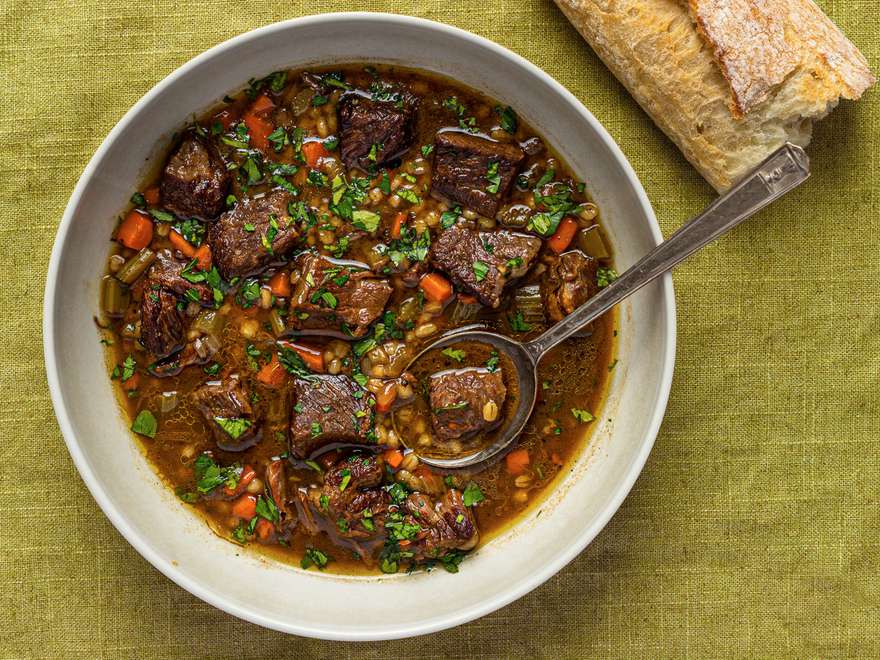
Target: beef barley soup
{"type": "Point", "coordinates": [300, 244]}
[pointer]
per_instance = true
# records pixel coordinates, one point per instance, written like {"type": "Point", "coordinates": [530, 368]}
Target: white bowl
{"type": "Point", "coordinates": [280, 596]}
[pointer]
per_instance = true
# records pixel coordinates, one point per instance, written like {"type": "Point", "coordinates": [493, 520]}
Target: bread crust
{"type": "Point", "coordinates": [729, 81]}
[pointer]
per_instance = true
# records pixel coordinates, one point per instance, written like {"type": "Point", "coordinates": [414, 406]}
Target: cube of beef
{"type": "Point", "coordinates": [473, 171]}
{"type": "Point", "coordinates": [373, 133]}
{"type": "Point", "coordinates": [195, 180]}
{"type": "Point", "coordinates": [445, 525]}
{"type": "Point", "coordinates": [254, 234]}
{"type": "Point", "coordinates": [167, 271]}
{"type": "Point", "coordinates": [568, 282]}
{"type": "Point", "coordinates": [465, 401]}
{"type": "Point", "coordinates": [276, 482]}
{"type": "Point", "coordinates": [344, 297]}
{"type": "Point", "coordinates": [329, 409]}
{"type": "Point", "coordinates": [226, 406]}
{"type": "Point", "coordinates": [162, 324]}
{"type": "Point", "coordinates": [483, 262]}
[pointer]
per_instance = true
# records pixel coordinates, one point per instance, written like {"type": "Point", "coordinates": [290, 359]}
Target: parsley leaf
{"type": "Point", "coordinates": [233, 426]}
{"type": "Point", "coordinates": [472, 494]}
{"type": "Point", "coordinates": [481, 269]}
{"type": "Point", "coordinates": [508, 118]}
{"type": "Point", "coordinates": [314, 557]}
{"type": "Point", "coordinates": [294, 364]}
{"type": "Point", "coordinates": [366, 220]}
{"type": "Point", "coordinates": [493, 177]}
{"type": "Point", "coordinates": [517, 322]}
{"type": "Point", "coordinates": [605, 276]}
{"type": "Point", "coordinates": [145, 424]}
{"type": "Point", "coordinates": [582, 416]}
{"type": "Point", "coordinates": [456, 354]}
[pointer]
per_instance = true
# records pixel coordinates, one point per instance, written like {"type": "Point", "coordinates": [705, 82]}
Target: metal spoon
{"type": "Point", "coordinates": [784, 170]}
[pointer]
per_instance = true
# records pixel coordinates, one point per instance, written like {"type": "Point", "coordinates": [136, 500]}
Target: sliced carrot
{"type": "Point", "coordinates": [180, 243]}
{"type": "Point", "coordinates": [313, 152]}
{"type": "Point", "coordinates": [436, 287]}
{"type": "Point", "coordinates": [279, 284]}
{"type": "Point", "coordinates": [386, 397]}
{"type": "Point", "coordinates": [467, 299]}
{"type": "Point", "coordinates": [397, 224]}
{"type": "Point", "coordinates": [203, 257]}
{"type": "Point", "coordinates": [132, 383]}
{"type": "Point", "coordinates": [136, 231]}
{"type": "Point", "coordinates": [226, 118]}
{"type": "Point", "coordinates": [272, 373]}
{"type": "Point", "coordinates": [264, 529]}
{"type": "Point", "coordinates": [261, 104]}
{"type": "Point", "coordinates": [247, 476]}
{"type": "Point", "coordinates": [517, 461]}
{"type": "Point", "coordinates": [394, 457]}
{"type": "Point", "coordinates": [258, 126]}
{"type": "Point", "coordinates": [313, 357]}
{"type": "Point", "coordinates": [152, 196]}
{"type": "Point", "coordinates": [564, 234]}
{"type": "Point", "coordinates": [245, 507]}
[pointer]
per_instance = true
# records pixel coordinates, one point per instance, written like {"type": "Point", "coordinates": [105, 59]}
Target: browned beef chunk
{"type": "Point", "coordinates": [198, 351]}
{"type": "Point", "coordinates": [336, 295]}
{"type": "Point", "coordinates": [351, 505]}
{"type": "Point", "coordinates": [568, 282]}
{"type": "Point", "coordinates": [195, 180]}
{"type": "Point", "coordinates": [364, 122]}
{"type": "Point", "coordinates": [237, 238]}
{"type": "Point", "coordinates": [276, 481]}
{"type": "Point", "coordinates": [329, 409]}
{"type": "Point", "coordinates": [458, 398]}
{"type": "Point", "coordinates": [162, 324]}
{"type": "Point", "coordinates": [473, 171]}
{"type": "Point", "coordinates": [483, 262]}
{"type": "Point", "coordinates": [446, 524]}
{"type": "Point", "coordinates": [166, 272]}
{"type": "Point", "coordinates": [227, 408]}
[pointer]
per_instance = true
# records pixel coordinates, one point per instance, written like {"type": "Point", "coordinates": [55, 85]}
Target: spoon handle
{"type": "Point", "coordinates": [783, 170]}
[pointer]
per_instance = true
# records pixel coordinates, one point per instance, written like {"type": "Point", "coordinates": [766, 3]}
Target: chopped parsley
{"type": "Point", "coordinates": [456, 354]}
{"type": "Point", "coordinates": [314, 557]}
{"type": "Point", "coordinates": [234, 427]}
{"type": "Point", "coordinates": [138, 199]}
{"type": "Point", "coordinates": [492, 362]}
{"type": "Point", "coordinates": [518, 323]}
{"type": "Point", "coordinates": [481, 269]}
{"type": "Point", "coordinates": [408, 195]}
{"type": "Point", "coordinates": [293, 364]}
{"type": "Point", "coordinates": [145, 424]}
{"type": "Point", "coordinates": [427, 149]}
{"type": "Point", "coordinates": [582, 416]}
{"type": "Point", "coordinates": [209, 475]}
{"type": "Point", "coordinates": [449, 218]}
{"type": "Point", "coordinates": [493, 177]}
{"type": "Point", "coordinates": [472, 494]}
{"type": "Point", "coordinates": [346, 479]}
{"type": "Point", "coordinates": [316, 429]}
{"type": "Point", "coordinates": [128, 368]}
{"type": "Point", "coordinates": [508, 118]}
{"type": "Point", "coordinates": [162, 216]}
{"type": "Point", "coordinates": [366, 220]}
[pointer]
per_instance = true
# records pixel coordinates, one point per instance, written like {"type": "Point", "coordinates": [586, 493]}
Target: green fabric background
{"type": "Point", "coordinates": [753, 530]}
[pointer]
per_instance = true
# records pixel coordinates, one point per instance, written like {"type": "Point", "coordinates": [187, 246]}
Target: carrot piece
{"type": "Point", "coordinates": [517, 461]}
{"type": "Point", "coordinates": [132, 383]}
{"type": "Point", "coordinates": [203, 257]}
{"type": "Point", "coordinates": [556, 459]}
{"type": "Point", "coordinates": [180, 243]}
{"type": "Point", "coordinates": [272, 373]}
{"type": "Point", "coordinates": [394, 457]}
{"type": "Point", "coordinates": [279, 284]}
{"type": "Point", "coordinates": [436, 287]}
{"type": "Point", "coordinates": [245, 507]}
{"type": "Point", "coordinates": [259, 130]}
{"type": "Point", "coordinates": [386, 396]}
{"type": "Point", "coordinates": [258, 126]}
{"type": "Point", "coordinates": [397, 224]}
{"type": "Point", "coordinates": [564, 234]}
{"type": "Point", "coordinates": [467, 299]}
{"type": "Point", "coordinates": [264, 529]}
{"type": "Point", "coordinates": [247, 476]}
{"type": "Point", "coordinates": [261, 104]}
{"type": "Point", "coordinates": [313, 152]}
{"type": "Point", "coordinates": [152, 196]}
{"type": "Point", "coordinates": [313, 357]}
{"type": "Point", "coordinates": [136, 231]}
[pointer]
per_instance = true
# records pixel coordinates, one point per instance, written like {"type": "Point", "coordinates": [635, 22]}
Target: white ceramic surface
{"type": "Point", "coordinates": [279, 596]}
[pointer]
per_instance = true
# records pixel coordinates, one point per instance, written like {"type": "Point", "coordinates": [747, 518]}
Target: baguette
{"type": "Point", "coordinates": [729, 81]}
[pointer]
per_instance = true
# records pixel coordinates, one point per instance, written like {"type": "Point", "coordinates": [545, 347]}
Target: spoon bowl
{"type": "Point", "coordinates": [783, 170]}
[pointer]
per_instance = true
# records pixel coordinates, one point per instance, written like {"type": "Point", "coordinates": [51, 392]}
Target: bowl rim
{"type": "Point", "coordinates": [207, 594]}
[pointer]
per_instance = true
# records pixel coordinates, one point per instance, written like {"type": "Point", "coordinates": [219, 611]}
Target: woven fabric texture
{"type": "Point", "coordinates": [753, 530]}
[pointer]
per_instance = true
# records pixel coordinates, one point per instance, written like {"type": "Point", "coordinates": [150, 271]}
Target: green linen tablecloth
{"type": "Point", "coordinates": [753, 530]}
